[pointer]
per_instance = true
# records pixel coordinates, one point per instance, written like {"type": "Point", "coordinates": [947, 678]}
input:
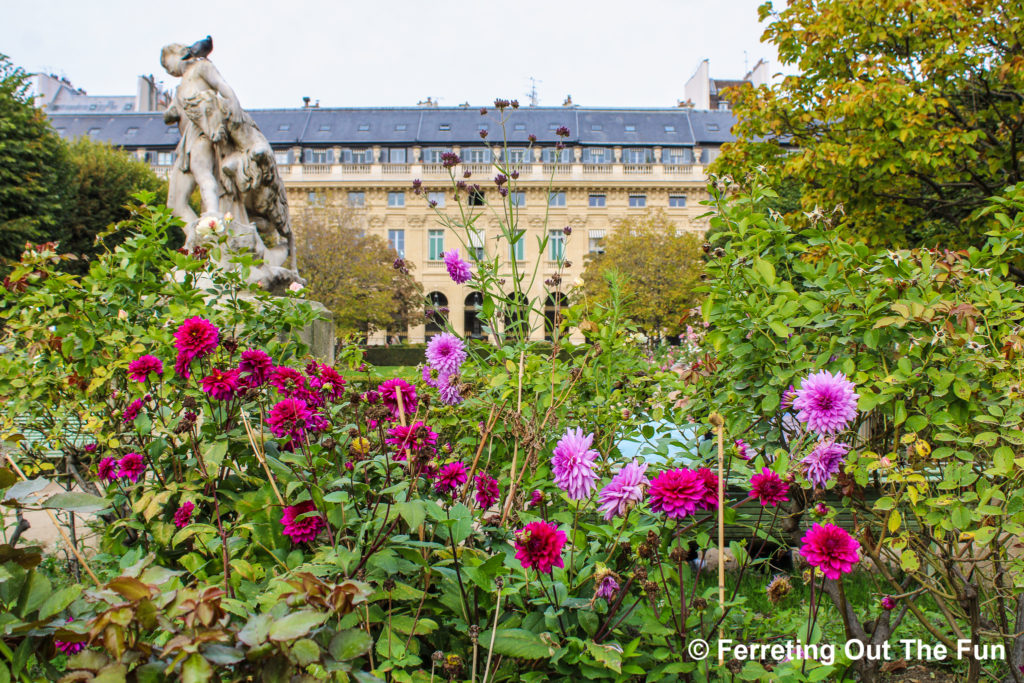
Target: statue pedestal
{"type": "Point", "coordinates": [320, 335]}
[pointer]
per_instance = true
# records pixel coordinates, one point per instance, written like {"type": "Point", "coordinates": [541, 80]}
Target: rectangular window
{"type": "Point", "coordinates": [594, 244]}
{"type": "Point", "coordinates": [520, 126]}
{"type": "Point", "coordinates": [318, 156]}
{"type": "Point", "coordinates": [361, 156]}
{"type": "Point", "coordinates": [676, 156]}
{"type": "Point", "coordinates": [164, 158]}
{"type": "Point", "coordinates": [597, 156]}
{"type": "Point", "coordinates": [670, 129]}
{"type": "Point", "coordinates": [435, 245]}
{"type": "Point", "coordinates": [476, 198]}
{"type": "Point", "coordinates": [281, 158]}
{"type": "Point", "coordinates": [444, 126]}
{"type": "Point", "coordinates": [556, 199]}
{"type": "Point", "coordinates": [400, 126]}
{"type": "Point", "coordinates": [517, 251]}
{"type": "Point", "coordinates": [637, 155]}
{"type": "Point", "coordinates": [551, 155]}
{"type": "Point", "coordinates": [396, 200]}
{"type": "Point", "coordinates": [556, 245]}
{"type": "Point", "coordinates": [595, 127]}
{"type": "Point", "coordinates": [436, 199]}
{"type": "Point", "coordinates": [637, 201]}
{"type": "Point", "coordinates": [396, 156]}
{"type": "Point", "coordinates": [479, 155]}
{"type": "Point", "coordinates": [630, 127]}
{"type": "Point", "coordinates": [677, 201]}
{"type": "Point", "coordinates": [396, 238]}
{"type": "Point", "coordinates": [314, 198]}
{"type": "Point", "coordinates": [476, 245]}
{"type": "Point", "coordinates": [325, 127]}
{"type": "Point", "coordinates": [516, 156]}
{"type": "Point", "coordinates": [517, 198]}
{"type": "Point", "coordinates": [284, 126]}
{"type": "Point", "coordinates": [356, 199]}
{"type": "Point", "coordinates": [597, 200]}
{"type": "Point", "coordinates": [364, 127]}
{"type": "Point", "coordinates": [432, 155]}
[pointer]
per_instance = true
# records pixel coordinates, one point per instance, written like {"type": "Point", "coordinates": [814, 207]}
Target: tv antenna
{"type": "Point", "coordinates": [534, 98]}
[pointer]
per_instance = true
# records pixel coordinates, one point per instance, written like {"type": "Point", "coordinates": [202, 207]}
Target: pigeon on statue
{"type": "Point", "coordinates": [200, 49]}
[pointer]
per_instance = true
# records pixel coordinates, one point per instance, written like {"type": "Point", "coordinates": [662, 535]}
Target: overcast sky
{"type": "Point", "coordinates": [617, 53]}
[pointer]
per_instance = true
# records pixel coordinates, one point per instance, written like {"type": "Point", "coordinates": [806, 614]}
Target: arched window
{"type": "Point", "coordinates": [473, 324]}
{"type": "Point", "coordinates": [436, 313]}
{"type": "Point", "coordinates": [554, 306]}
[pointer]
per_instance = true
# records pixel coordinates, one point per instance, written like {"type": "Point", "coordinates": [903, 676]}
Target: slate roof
{"type": "Point", "coordinates": [427, 126]}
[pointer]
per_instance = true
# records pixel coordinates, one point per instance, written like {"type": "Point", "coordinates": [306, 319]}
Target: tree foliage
{"type": "Point", "coordinates": [33, 166]}
{"type": "Point", "coordinates": [354, 274]}
{"type": "Point", "coordinates": [661, 266]}
{"type": "Point", "coordinates": [100, 188]}
{"type": "Point", "coordinates": [907, 113]}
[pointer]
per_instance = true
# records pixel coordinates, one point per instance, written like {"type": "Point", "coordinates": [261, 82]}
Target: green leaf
{"type": "Point", "coordinates": [765, 269]}
{"type": "Point", "coordinates": [305, 652]}
{"type": "Point", "coordinates": [196, 669]}
{"type": "Point", "coordinates": [608, 655]}
{"type": "Point", "coordinates": [214, 453]}
{"type": "Point", "coordinates": [517, 642]}
{"type": "Point", "coordinates": [76, 501]}
{"type": "Point", "coordinates": [349, 644]}
{"type": "Point", "coordinates": [295, 625]}
{"type": "Point", "coordinates": [21, 491]}
{"type": "Point", "coordinates": [779, 328]}
{"type": "Point", "coordinates": [412, 512]}
{"type": "Point", "coordinates": [909, 561]}
{"type": "Point", "coordinates": [59, 601]}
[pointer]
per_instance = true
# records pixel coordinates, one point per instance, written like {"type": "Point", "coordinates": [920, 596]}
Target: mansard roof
{"type": "Point", "coordinates": [428, 126]}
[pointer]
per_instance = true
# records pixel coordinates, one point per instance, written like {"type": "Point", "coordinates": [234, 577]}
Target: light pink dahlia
{"type": "Point", "coordinates": [458, 268]}
{"type": "Point", "coordinates": [624, 490]}
{"type": "Point", "coordinates": [824, 462]}
{"type": "Point", "coordinates": [831, 549]}
{"type": "Point", "coordinates": [572, 464]}
{"type": "Point", "coordinates": [826, 402]}
{"type": "Point", "coordinates": [446, 353]}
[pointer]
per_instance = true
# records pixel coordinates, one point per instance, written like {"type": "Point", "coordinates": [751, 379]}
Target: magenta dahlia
{"type": "Point", "coordinates": [709, 501]}
{"type": "Point", "coordinates": [287, 381]}
{"type": "Point", "coordinates": [329, 382]}
{"type": "Point", "coordinates": [132, 411]}
{"type": "Point", "coordinates": [822, 463]}
{"type": "Point", "coordinates": [418, 438]}
{"type": "Point", "coordinates": [624, 490]}
{"type": "Point", "coordinates": [299, 524]}
{"type": "Point", "coordinates": [141, 368]}
{"type": "Point", "coordinates": [183, 515]}
{"type": "Point", "coordinates": [220, 384]}
{"type": "Point", "coordinates": [769, 488]}
{"type": "Point", "coordinates": [487, 492]}
{"type": "Point", "coordinates": [572, 464]}
{"type": "Point", "coordinates": [826, 402]}
{"type": "Point", "coordinates": [536, 498]}
{"type": "Point", "coordinates": [677, 493]}
{"type": "Point", "coordinates": [107, 469]}
{"type": "Point", "coordinates": [289, 418]}
{"type": "Point", "coordinates": [446, 353]}
{"type": "Point", "coordinates": [888, 603]}
{"type": "Point", "coordinates": [183, 365]}
{"type": "Point", "coordinates": [539, 546]}
{"type": "Point", "coordinates": [197, 337]}
{"type": "Point", "coordinates": [69, 648]}
{"type": "Point", "coordinates": [831, 549]}
{"type": "Point", "coordinates": [131, 466]}
{"type": "Point", "coordinates": [255, 366]}
{"type": "Point", "coordinates": [607, 586]}
{"type": "Point", "coordinates": [458, 269]}
{"type": "Point", "coordinates": [450, 477]}
{"type": "Point", "coordinates": [389, 391]}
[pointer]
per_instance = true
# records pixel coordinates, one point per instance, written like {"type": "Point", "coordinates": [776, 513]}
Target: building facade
{"type": "Point", "coordinates": [613, 164]}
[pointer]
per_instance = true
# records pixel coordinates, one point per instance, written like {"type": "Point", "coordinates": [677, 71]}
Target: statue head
{"type": "Point", "coordinates": [173, 57]}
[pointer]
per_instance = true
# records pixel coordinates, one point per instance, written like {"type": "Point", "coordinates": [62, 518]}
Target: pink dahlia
{"type": "Point", "coordinates": [289, 418]}
{"type": "Point", "coordinates": [391, 388]}
{"type": "Point", "coordinates": [197, 337]}
{"type": "Point", "coordinates": [446, 353]}
{"type": "Point", "coordinates": [539, 545]}
{"type": "Point", "coordinates": [255, 366]}
{"type": "Point", "coordinates": [677, 493]}
{"type": "Point", "coordinates": [536, 498]}
{"type": "Point", "coordinates": [458, 269]}
{"type": "Point", "coordinates": [572, 464]}
{"type": "Point", "coordinates": [132, 411]}
{"type": "Point", "coordinates": [831, 549]}
{"type": "Point", "coordinates": [329, 382]}
{"type": "Point", "coordinates": [107, 469]}
{"type": "Point", "coordinates": [140, 368]}
{"type": "Point", "coordinates": [183, 515]}
{"type": "Point", "coordinates": [450, 477]}
{"type": "Point", "coordinates": [66, 647]}
{"type": "Point", "coordinates": [741, 449]}
{"type": "Point", "coordinates": [888, 603]}
{"type": "Point", "coordinates": [183, 365]}
{"type": "Point", "coordinates": [826, 402]}
{"type": "Point", "coordinates": [448, 390]}
{"type": "Point", "coordinates": [131, 466]}
{"type": "Point", "coordinates": [822, 463]}
{"type": "Point", "coordinates": [287, 381]}
{"type": "Point", "coordinates": [299, 525]}
{"type": "Point", "coordinates": [625, 490]}
{"type": "Point", "coordinates": [222, 385]}
{"type": "Point", "coordinates": [487, 492]}
{"type": "Point", "coordinates": [431, 377]}
{"type": "Point", "coordinates": [418, 438]}
{"type": "Point", "coordinates": [769, 488]}
{"type": "Point", "coordinates": [709, 501]}
{"type": "Point", "coordinates": [788, 396]}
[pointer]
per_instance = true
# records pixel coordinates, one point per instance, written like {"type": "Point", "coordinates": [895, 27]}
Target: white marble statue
{"type": "Point", "coordinates": [224, 154]}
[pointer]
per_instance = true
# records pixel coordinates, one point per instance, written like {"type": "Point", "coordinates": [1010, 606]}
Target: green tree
{"type": "Point", "coordinates": [661, 266]}
{"type": "Point", "coordinates": [354, 274]}
{"type": "Point", "coordinates": [102, 182]}
{"type": "Point", "coordinates": [906, 113]}
{"type": "Point", "coordinates": [33, 166]}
